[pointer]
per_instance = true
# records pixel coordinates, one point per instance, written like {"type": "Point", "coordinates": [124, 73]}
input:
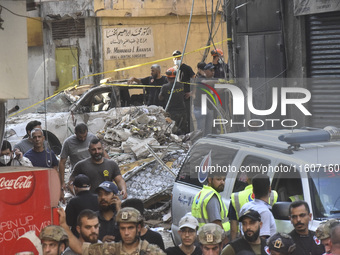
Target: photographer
{"type": "Point", "coordinates": [10, 158]}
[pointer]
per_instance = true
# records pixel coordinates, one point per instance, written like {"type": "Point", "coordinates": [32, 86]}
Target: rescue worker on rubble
{"type": "Point", "coordinates": [176, 107]}
{"type": "Point", "coordinates": [238, 199]}
{"type": "Point", "coordinates": [323, 233]}
{"type": "Point", "coordinates": [220, 67]}
{"type": "Point", "coordinates": [208, 206]}
{"type": "Point", "coordinates": [54, 240]}
{"type": "Point", "coordinates": [211, 237]}
{"type": "Point", "coordinates": [129, 223]}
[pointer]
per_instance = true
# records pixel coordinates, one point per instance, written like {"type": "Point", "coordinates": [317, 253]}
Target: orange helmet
{"type": "Point", "coordinates": [171, 72]}
{"type": "Point", "coordinates": [217, 52]}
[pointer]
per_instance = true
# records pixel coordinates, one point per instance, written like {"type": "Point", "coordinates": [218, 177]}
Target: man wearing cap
{"type": "Point", "coordinates": [188, 226]}
{"type": "Point", "coordinates": [176, 107]}
{"type": "Point", "coordinates": [84, 199]}
{"type": "Point", "coordinates": [306, 241]}
{"type": "Point", "coordinates": [54, 240]}
{"type": "Point", "coordinates": [208, 206]}
{"type": "Point", "coordinates": [280, 244]}
{"type": "Point", "coordinates": [262, 191]}
{"type": "Point", "coordinates": [250, 241]}
{"type": "Point", "coordinates": [323, 233]}
{"type": "Point", "coordinates": [87, 227]}
{"type": "Point", "coordinates": [99, 169]}
{"type": "Point", "coordinates": [128, 220]}
{"type": "Point", "coordinates": [109, 205]}
{"type": "Point", "coordinates": [156, 80]}
{"type": "Point", "coordinates": [210, 236]}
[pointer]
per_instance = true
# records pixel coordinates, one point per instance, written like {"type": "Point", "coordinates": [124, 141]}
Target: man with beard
{"type": "Point", "coordinates": [10, 158]}
{"type": "Point", "coordinates": [250, 241]}
{"type": "Point", "coordinates": [87, 227]}
{"type": "Point", "coordinates": [128, 220]}
{"type": "Point", "coordinates": [262, 191]}
{"type": "Point", "coordinates": [109, 205]}
{"type": "Point", "coordinates": [188, 226]}
{"type": "Point", "coordinates": [208, 206]}
{"type": "Point", "coordinates": [306, 241]}
{"type": "Point", "coordinates": [210, 236]}
{"type": "Point", "coordinates": [99, 169]}
{"type": "Point", "coordinates": [156, 80]}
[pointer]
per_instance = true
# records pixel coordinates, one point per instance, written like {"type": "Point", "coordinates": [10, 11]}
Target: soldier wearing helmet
{"type": "Point", "coordinates": [210, 236]}
{"type": "Point", "coordinates": [280, 244]}
{"type": "Point", "coordinates": [221, 68]}
{"type": "Point", "coordinates": [323, 233]}
{"type": "Point", "coordinates": [176, 107]}
{"type": "Point", "coordinates": [54, 240]}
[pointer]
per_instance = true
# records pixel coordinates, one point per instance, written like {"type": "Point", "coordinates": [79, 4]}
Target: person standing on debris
{"type": "Point", "coordinates": [185, 74]}
{"type": "Point", "coordinates": [146, 233]}
{"type": "Point", "coordinates": [176, 107]}
{"type": "Point", "coordinates": [156, 80]}
{"type": "Point", "coordinates": [12, 158]}
{"type": "Point", "coordinates": [76, 148]}
{"type": "Point", "coordinates": [109, 205]}
{"type": "Point", "coordinates": [27, 143]}
{"type": "Point", "coordinates": [87, 228]}
{"type": "Point", "coordinates": [84, 199]}
{"type": "Point", "coordinates": [250, 241]}
{"type": "Point", "coordinates": [220, 67]}
{"type": "Point", "coordinates": [211, 237]}
{"type": "Point", "coordinates": [305, 239]}
{"type": "Point", "coordinates": [188, 226]}
{"type": "Point", "coordinates": [208, 206]}
{"type": "Point", "coordinates": [99, 169]}
{"type": "Point", "coordinates": [262, 190]}
{"type": "Point", "coordinates": [54, 240]}
{"type": "Point", "coordinates": [38, 155]}
{"type": "Point", "coordinates": [128, 220]}
{"type": "Point", "coordinates": [323, 233]}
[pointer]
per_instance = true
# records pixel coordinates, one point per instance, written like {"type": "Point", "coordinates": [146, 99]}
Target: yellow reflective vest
{"type": "Point", "coordinates": [238, 199]}
{"type": "Point", "coordinates": [199, 207]}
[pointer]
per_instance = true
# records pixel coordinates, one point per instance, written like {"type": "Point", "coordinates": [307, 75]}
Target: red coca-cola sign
{"type": "Point", "coordinates": [16, 188]}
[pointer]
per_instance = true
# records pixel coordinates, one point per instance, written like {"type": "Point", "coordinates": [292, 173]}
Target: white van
{"type": "Point", "coordinates": [302, 163]}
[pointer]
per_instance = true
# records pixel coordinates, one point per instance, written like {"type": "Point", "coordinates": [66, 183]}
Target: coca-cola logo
{"type": "Point", "coordinates": [16, 188]}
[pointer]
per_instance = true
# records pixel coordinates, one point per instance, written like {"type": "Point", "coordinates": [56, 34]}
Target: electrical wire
{"type": "Point", "coordinates": [183, 52]}
{"type": "Point", "coordinates": [19, 15]}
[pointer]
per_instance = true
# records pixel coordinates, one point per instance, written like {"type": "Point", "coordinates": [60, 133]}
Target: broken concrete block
{"type": "Point", "coordinates": [139, 149]}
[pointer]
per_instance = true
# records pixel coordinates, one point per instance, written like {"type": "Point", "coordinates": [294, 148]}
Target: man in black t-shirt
{"type": "Point", "coordinates": [157, 80]}
{"type": "Point", "coordinates": [188, 226]}
{"type": "Point", "coordinates": [176, 107]}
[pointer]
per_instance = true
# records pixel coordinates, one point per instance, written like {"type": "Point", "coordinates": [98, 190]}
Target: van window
{"type": "Point", "coordinates": [217, 157]}
{"type": "Point", "coordinates": [251, 166]}
{"type": "Point", "coordinates": [288, 184]}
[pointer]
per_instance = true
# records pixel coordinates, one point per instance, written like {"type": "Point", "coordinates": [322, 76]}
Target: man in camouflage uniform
{"type": "Point", "coordinates": [280, 244]}
{"type": "Point", "coordinates": [323, 233]}
{"type": "Point", "coordinates": [54, 240]}
{"type": "Point", "coordinates": [210, 237]}
{"type": "Point", "coordinates": [129, 223]}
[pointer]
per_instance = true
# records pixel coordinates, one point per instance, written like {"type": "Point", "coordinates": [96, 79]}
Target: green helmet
{"type": "Point", "coordinates": [210, 233]}
{"type": "Point", "coordinates": [324, 229]}
{"type": "Point", "coordinates": [54, 233]}
{"type": "Point", "coordinates": [129, 215]}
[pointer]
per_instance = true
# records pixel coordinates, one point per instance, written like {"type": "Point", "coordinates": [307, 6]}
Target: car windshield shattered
{"type": "Point", "coordinates": [324, 185]}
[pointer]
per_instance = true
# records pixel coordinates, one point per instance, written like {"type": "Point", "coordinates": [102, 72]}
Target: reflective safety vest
{"type": "Point", "coordinates": [296, 198]}
{"type": "Point", "coordinates": [199, 207]}
{"type": "Point", "coordinates": [238, 199]}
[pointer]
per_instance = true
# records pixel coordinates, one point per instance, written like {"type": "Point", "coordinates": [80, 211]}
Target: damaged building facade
{"type": "Point", "coordinates": [85, 39]}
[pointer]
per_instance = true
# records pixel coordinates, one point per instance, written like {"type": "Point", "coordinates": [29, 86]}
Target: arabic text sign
{"type": "Point", "coordinates": [305, 7]}
{"type": "Point", "coordinates": [129, 42]}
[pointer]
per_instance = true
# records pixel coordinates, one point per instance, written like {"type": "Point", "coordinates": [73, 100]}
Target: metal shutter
{"type": "Point", "coordinates": [323, 63]}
